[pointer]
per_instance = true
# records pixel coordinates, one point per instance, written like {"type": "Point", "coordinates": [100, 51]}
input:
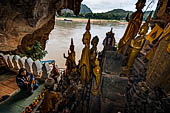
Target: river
{"type": "Point", "coordinates": [60, 37]}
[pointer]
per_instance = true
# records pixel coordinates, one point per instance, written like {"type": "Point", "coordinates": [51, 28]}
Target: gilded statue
{"type": "Point", "coordinates": [94, 65]}
{"type": "Point", "coordinates": [132, 29]}
{"type": "Point", "coordinates": [70, 60]}
{"type": "Point", "coordinates": [85, 56]}
{"type": "Point", "coordinates": [137, 45]}
{"type": "Point", "coordinates": [97, 74]}
{"type": "Point", "coordinates": [159, 65]}
{"type": "Point", "coordinates": [93, 51]}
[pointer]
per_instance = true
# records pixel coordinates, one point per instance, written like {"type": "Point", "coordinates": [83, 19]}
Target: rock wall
{"type": "Point", "coordinates": [162, 15]}
{"type": "Point", "coordinates": [158, 73]}
{"type": "Point", "coordinates": [23, 21]}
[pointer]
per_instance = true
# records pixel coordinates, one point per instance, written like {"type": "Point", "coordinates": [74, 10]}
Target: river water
{"type": "Point", "coordinates": [60, 38]}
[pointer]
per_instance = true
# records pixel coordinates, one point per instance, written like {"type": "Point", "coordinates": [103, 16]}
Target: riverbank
{"type": "Point", "coordinates": [92, 20]}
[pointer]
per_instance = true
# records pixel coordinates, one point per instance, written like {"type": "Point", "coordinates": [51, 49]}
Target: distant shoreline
{"type": "Point", "coordinates": [92, 20]}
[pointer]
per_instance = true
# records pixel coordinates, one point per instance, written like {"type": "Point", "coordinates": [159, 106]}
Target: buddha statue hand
{"type": "Point", "coordinates": [64, 56]}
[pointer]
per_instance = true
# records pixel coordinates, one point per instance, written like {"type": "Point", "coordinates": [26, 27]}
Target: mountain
{"type": "Point", "coordinates": [122, 13]}
{"type": "Point", "coordinates": [115, 14]}
{"type": "Point", "coordinates": [85, 9]}
{"type": "Point", "coordinates": [119, 13]}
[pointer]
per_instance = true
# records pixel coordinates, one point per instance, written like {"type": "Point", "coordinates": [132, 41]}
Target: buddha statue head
{"type": "Point", "coordinates": [95, 41]}
{"type": "Point", "coordinates": [87, 35]}
{"type": "Point", "coordinates": [72, 45]}
{"type": "Point", "coordinates": [144, 28]}
{"type": "Point", "coordinates": [140, 4]}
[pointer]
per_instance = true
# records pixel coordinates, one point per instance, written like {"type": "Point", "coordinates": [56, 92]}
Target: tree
{"type": "Point", "coordinates": [35, 52]}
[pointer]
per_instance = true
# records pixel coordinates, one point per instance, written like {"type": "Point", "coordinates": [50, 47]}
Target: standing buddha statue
{"type": "Point", "coordinates": [70, 60]}
{"type": "Point", "coordinates": [85, 56]}
{"type": "Point", "coordinates": [94, 65]}
{"type": "Point", "coordinates": [93, 51]}
{"type": "Point", "coordinates": [132, 29]}
{"type": "Point", "coordinates": [97, 73]}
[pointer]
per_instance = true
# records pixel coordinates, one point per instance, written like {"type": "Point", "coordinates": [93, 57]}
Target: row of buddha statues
{"type": "Point", "coordinates": [133, 42]}
{"type": "Point", "coordinates": [88, 66]}
{"type": "Point", "coordinates": [136, 41]}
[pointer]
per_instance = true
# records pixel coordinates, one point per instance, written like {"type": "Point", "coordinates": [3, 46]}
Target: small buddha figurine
{"type": "Point", "coordinates": [85, 56]}
{"type": "Point", "coordinates": [72, 53]}
{"type": "Point", "coordinates": [137, 45]}
{"type": "Point", "coordinates": [97, 74]}
{"type": "Point", "coordinates": [132, 29]}
{"type": "Point", "coordinates": [70, 60]}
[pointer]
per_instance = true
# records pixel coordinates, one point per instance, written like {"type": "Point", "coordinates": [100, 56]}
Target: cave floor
{"type": "Point", "coordinates": [8, 84]}
{"type": "Point", "coordinates": [17, 102]}
{"type": "Point", "coordinates": [7, 75]}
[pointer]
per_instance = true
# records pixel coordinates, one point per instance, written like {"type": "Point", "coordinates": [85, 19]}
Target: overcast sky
{"type": "Point", "coordinates": [107, 5]}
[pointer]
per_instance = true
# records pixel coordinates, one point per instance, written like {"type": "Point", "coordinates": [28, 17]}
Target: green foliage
{"type": "Point", "coordinates": [116, 45]}
{"type": "Point", "coordinates": [36, 52]}
{"type": "Point", "coordinates": [116, 14]}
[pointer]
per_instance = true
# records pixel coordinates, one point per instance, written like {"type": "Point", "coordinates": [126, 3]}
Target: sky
{"type": "Point", "coordinates": [98, 6]}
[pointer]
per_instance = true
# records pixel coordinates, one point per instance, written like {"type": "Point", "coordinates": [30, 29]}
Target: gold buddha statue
{"type": "Point", "coordinates": [132, 29]}
{"type": "Point", "coordinates": [72, 53]}
{"type": "Point", "coordinates": [93, 51]}
{"type": "Point", "coordinates": [85, 56]}
{"type": "Point", "coordinates": [97, 74]}
{"type": "Point", "coordinates": [70, 60]}
{"type": "Point", "coordinates": [94, 65]}
{"type": "Point", "coordinates": [137, 45]}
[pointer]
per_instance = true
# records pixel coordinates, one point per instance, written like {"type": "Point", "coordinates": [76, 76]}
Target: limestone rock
{"type": "Point", "coordinates": [158, 73]}
{"type": "Point", "coordinates": [112, 62]}
{"type": "Point", "coordinates": [162, 15]}
{"type": "Point", "coordinates": [112, 97]}
{"type": "Point", "coordinates": [29, 20]}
